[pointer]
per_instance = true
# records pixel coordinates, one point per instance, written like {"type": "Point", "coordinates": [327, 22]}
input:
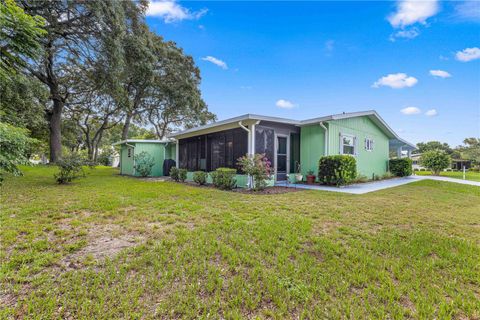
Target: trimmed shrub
{"type": "Point", "coordinates": [182, 174]}
{"type": "Point", "coordinates": [337, 170]}
{"type": "Point", "coordinates": [200, 177]}
{"type": "Point", "coordinates": [144, 163]}
{"type": "Point", "coordinates": [400, 167]}
{"type": "Point", "coordinates": [174, 173]}
{"type": "Point", "coordinates": [224, 178]}
{"type": "Point", "coordinates": [70, 168]}
{"type": "Point", "coordinates": [435, 160]}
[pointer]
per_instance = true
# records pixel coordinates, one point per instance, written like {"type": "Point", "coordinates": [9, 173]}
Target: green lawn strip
{"type": "Point", "coordinates": [410, 251]}
{"type": "Point", "coordinates": [469, 175]}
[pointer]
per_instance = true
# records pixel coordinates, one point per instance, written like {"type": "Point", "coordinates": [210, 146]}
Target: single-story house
{"type": "Point", "coordinates": [287, 143]}
{"type": "Point", "coordinates": [160, 150]}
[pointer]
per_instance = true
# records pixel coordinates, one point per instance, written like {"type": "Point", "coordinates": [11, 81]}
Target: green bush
{"type": "Point", "coordinates": [224, 178]}
{"type": "Point", "coordinates": [337, 170]}
{"type": "Point", "coordinates": [14, 147]}
{"type": "Point", "coordinates": [174, 173]}
{"type": "Point", "coordinates": [70, 168]}
{"type": "Point", "coordinates": [435, 160]}
{"type": "Point", "coordinates": [200, 177]}
{"type": "Point", "coordinates": [144, 163]}
{"type": "Point", "coordinates": [400, 167]}
{"type": "Point", "coordinates": [182, 174]}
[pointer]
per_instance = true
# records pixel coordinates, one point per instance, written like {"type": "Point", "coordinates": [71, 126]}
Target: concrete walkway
{"type": "Point", "coordinates": [361, 188]}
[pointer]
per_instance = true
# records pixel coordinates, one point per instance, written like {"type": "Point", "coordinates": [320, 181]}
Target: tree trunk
{"type": "Point", "coordinates": [126, 126]}
{"type": "Point", "coordinates": [55, 126]}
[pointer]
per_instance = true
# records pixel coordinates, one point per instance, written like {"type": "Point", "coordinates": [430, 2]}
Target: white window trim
{"type": "Point", "coordinates": [371, 144]}
{"type": "Point", "coordinates": [355, 142]}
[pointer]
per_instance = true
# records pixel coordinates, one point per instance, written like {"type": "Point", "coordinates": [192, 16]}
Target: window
{"type": "Point", "coordinates": [129, 152]}
{"type": "Point", "coordinates": [368, 144]}
{"type": "Point", "coordinates": [347, 144]}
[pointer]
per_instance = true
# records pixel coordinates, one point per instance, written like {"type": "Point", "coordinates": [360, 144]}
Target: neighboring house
{"type": "Point", "coordinates": [459, 164]}
{"type": "Point", "coordinates": [364, 135]}
{"type": "Point", "coordinates": [416, 165]}
{"type": "Point", "coordinates": [160, 150]}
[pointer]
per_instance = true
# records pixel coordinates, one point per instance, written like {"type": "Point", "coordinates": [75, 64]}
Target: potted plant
{"type": "Point", "coordinates": [310, 177]}
{"type": "Point", "coordinates": [298, 174]}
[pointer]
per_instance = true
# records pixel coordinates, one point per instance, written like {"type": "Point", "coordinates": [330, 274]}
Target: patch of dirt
{"type": "Point", "coordinates": [102, 242]}
{"type": "Point", "coordinates": [408, 304]}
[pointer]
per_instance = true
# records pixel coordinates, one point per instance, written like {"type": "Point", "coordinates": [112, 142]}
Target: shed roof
{"type": "Point", "coordinates": [142, 141]}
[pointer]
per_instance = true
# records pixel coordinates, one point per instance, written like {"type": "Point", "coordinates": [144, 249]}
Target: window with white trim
{"type": "Point", "coordinates": [369, 144]}
{"type": "Point", "coordinates": [347, 145]}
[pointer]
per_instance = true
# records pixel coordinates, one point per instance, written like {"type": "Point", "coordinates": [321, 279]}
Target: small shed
{"type": "Point", "coordinates": [160, 150]}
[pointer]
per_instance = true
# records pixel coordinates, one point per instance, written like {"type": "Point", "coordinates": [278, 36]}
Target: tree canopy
{"type": "Point", "coordinates": [83, 73]}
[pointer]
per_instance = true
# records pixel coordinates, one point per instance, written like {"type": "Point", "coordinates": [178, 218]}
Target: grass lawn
{"type": "Point", "coordinates": [469, 175]}
{"type": "Point", "coordinates": [116, 247]}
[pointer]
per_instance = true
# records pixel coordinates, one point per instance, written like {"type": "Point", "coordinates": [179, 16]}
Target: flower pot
{"type": "Point", "coordinates": [310, 179]}
{"type": "Point", "coordinates": [298, 177]}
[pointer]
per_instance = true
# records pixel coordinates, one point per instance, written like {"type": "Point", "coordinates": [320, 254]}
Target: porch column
{"type": "Point", "coordinates": [176, 154]}
{"type": "Point", "coordinates": [252, 143]}
{"type": "Point", "coordinates": [399, 152]}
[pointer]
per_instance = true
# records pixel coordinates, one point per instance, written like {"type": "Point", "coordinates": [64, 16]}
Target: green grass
{"type": "Point", "coordinates": [406, 252]}
{"type": "Point", "coordinates": [469, 175]}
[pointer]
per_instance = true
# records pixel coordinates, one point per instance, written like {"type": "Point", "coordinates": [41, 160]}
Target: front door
{"type": "Point", "coordinates": [281, 158]}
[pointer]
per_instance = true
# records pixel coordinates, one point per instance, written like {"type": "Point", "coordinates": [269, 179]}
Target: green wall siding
{"type": "Point", "coordinates": [170, 151]}
{"type": "Point", "coordinates": [368, 162]}
{"type": "Point", "coordinates": [157, 151]}
{"type": "Point", "coordinates": [126, 163]}
{"type": "Point", "coordinates": [312, 147]}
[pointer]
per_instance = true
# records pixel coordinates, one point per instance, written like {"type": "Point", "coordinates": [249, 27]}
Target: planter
{"type": "Point", "coordinates": [298, 177]}
{"type": "Point", "coordinates": [310, 179]}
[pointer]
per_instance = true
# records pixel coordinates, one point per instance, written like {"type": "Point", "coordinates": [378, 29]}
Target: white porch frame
{"type": "Point", "coordinates": [276, 149]}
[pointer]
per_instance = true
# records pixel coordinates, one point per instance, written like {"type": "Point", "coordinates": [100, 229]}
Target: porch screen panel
{"type": "Point", "coordinates": [212, 151]}
{"type": "Point", "coordinates": [265, 142]}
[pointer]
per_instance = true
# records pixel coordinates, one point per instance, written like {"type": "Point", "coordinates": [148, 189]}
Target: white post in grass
{"type": "Point", "coordinates": [464, 172]}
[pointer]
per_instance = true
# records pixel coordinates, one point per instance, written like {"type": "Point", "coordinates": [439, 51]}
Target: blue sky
{"type": "Point", "coordinates": [416, 63]}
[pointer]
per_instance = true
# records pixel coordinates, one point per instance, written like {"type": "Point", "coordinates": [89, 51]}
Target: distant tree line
{"type": "Point", "coordinates": [78, 75]}
{"type": "Point", "coordinates": [470, 150]}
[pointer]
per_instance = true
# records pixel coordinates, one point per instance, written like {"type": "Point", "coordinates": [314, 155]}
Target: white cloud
{"type": "Point", "coordinates": [413, 11]}
{"type": "Point", "coordinates": [170, 11]}
{"type": "Point", "coordinates": [329, 47]}
{"type": "Point", "coordinates": [406, 34]}
{"type": "Point", "coordinates": [468, 10]}
{"type": "Point", "coordinates": [285, 104]}
{"type": "Point", "coordinates": [410, 110]}
{"type": "Point", "coordinates": [431, 113]}
{"type": "Point", "coordinates": [468, 54]}
{"type": "Point", "coordinates": [216, 61]}
{"type": "Point", "coordinates": [395, 81]}
{"type": "Point", "coordinates": [440, 74]}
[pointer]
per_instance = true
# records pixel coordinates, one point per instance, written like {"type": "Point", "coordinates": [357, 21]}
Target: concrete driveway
{"type": "Point", "coordinates": [361, 188]}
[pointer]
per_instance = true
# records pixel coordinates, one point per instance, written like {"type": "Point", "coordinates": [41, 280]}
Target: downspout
{"type": "Point", "coordinates": [326, 137]}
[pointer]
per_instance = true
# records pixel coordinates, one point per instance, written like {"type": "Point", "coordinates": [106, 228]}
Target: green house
{"type": "Point", "coordinates": [290, 144]}
{"type": "Point", "coordinates": [160, 150]}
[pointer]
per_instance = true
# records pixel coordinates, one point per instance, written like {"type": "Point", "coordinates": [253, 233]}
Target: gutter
{"type": "Point", "coordinates": [326, 136]}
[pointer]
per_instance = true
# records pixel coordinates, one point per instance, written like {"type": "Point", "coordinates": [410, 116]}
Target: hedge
{"type": "Point", "coordinates": [400, 167]}
{"type": "Point", "coordinates": [224, 178]}
{"type": "Point", "coordinates": [337, 170]}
